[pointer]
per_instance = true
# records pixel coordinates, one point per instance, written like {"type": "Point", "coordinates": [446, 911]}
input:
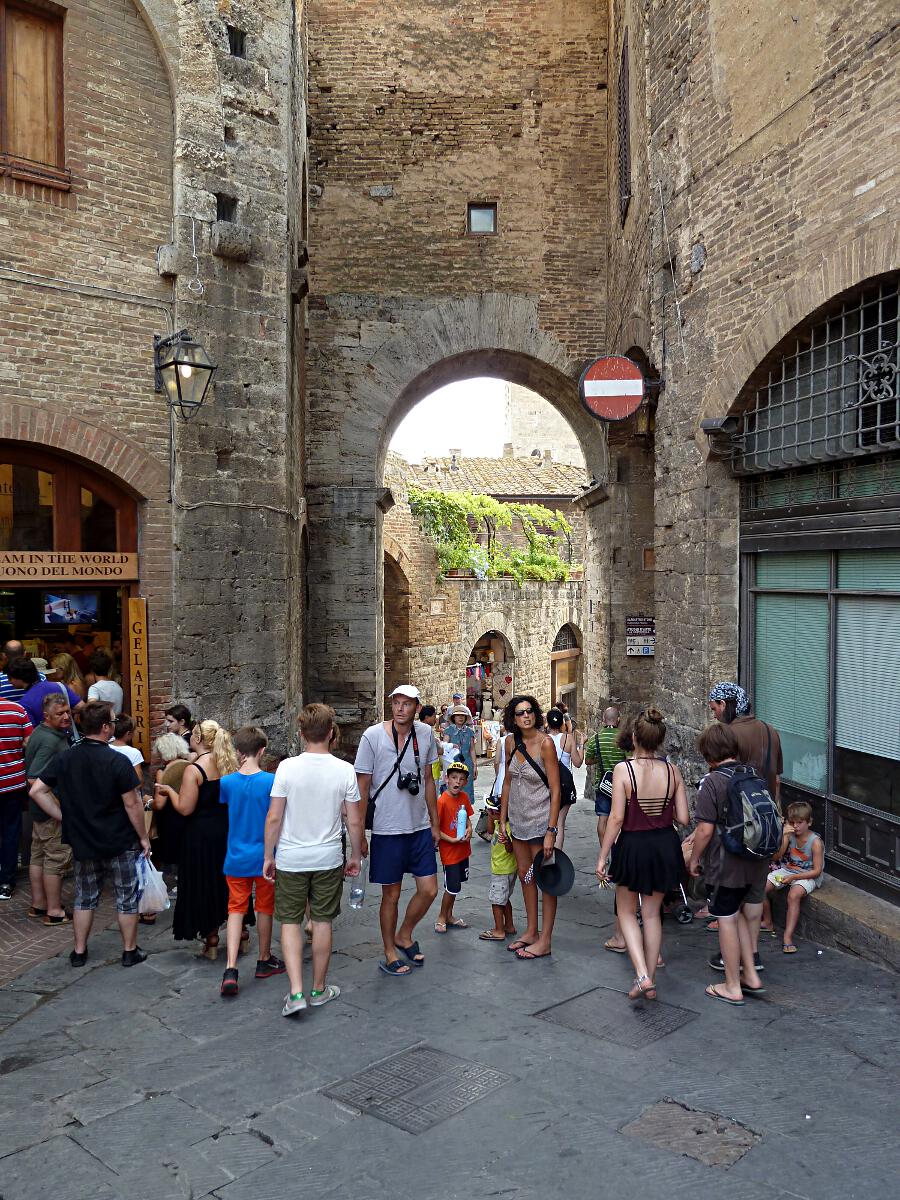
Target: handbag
{"type": "Point", "coordinates": [604, 788]}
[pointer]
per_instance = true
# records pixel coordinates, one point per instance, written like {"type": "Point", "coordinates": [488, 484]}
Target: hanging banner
{"type": "Point", "coordinates": [503, 680]}
{"type": "Point", "coordinates": [140, 678]}
{"type": "Point", "coordinates": [59, 566]}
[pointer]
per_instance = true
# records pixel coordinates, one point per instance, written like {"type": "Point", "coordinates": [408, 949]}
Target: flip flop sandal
{"type": "Point", "coordinates": [440, 927]}
{"type": "Point", "coordinates": [490, 936]}
{"type": "Point", "coordinates": [411, 952]}
{"type": "Point", "coordinates": [395, 968]}
{"type": "Point", "coordinates": [713, 992]}
{"type": "Point", "coordinates": [527, 956]}
{"type": "Point", "coordinates": [36, 913]}
{"type": "Point", "coordinates": [789, 948]}
{"type": "Point", "coordinates": [767, 929]}
{"type": "Point", "coordinates": [458, 924]}
{"type": "Point", "coordinates": [614, 949]}
{"type": "Point", "coordinates": [517, 945]}
{"type": "Point", "coordinates": [749, 991]}
{"type": "Point", "coordinates": [712, 926]}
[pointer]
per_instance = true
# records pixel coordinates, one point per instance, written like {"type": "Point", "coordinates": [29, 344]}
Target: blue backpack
{"type": "Point", "coordinates": [753, 826]}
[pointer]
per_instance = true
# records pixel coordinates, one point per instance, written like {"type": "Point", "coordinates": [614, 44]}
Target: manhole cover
{"type": "Point", "coordinates": [709, 1137]}
{"type": "Point", "coordinates": [417, 1088]}
{"type": "Point", "coordinates": [606, 1014]}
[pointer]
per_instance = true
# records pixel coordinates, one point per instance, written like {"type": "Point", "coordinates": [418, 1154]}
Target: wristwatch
{"type": "Point", "coordinates": [552, 829]}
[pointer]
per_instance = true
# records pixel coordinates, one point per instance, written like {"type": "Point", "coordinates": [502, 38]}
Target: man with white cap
{"type": "Point", "coordinates": [393, 769]}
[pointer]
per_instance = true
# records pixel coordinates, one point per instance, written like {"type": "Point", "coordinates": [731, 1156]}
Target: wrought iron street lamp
{"type": "Point", "coordinates": [183, 371]}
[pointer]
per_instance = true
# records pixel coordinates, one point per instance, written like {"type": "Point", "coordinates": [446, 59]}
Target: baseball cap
{"type": "Point", "coordinates": [458, 765]}
{"type": "Point", "coordinates": [407, 689]}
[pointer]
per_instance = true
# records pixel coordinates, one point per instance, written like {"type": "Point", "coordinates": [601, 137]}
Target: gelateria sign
{"type": "Point", "coordinates": [59, 566]}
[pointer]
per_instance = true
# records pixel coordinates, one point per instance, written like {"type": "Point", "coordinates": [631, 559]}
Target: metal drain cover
{"type": "Point", "coordinates": [711, 1138]}
{"type": "Point", "coordinates": [605, 1013]}
{"type": "Point", "coordinates": [417, 1088]}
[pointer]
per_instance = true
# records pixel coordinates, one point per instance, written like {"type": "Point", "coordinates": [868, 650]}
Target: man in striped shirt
{"type": "Point", "coordinates": [12, 650]}
{"type": "Point", "coordinates": [15, 730]}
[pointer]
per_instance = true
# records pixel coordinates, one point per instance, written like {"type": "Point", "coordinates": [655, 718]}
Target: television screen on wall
{"type": "Point", "coordinates": [71, 608]}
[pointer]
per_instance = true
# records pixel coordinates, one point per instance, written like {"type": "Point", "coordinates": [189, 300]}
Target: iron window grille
{"type": "Point", "coordinates": [834, 395]}
{"type": "Point", "coordinates": [853, 480]}
{"type": "Point", "coordinates": [624, 130]}
{"type": "Point", "coordinates": [565, 639]}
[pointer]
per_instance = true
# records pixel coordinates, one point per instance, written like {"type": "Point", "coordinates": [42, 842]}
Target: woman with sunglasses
{"type": "Point", "coordinates": [531, 804]}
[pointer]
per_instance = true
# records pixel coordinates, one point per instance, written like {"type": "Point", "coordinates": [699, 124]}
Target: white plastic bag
{"type": "Point", "coordinates": [154, 895]}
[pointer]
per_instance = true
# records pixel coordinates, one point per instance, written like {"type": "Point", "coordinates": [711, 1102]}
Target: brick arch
{"type": "Point", "coordinates": [875, 251]}
{"type": "Point", "coordinates": [395, 551]}
{"type": "Point", "coordinates": [161, 18]}
{"type": "Point", "coordinates": [96, 445]}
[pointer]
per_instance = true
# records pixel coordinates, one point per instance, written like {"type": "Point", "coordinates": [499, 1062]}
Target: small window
{"type": "Point", "coordinates": [237, 42]}
{"type": "Point", "coordinates": [31, 93]}
{"type": "Point", "coordinates": [98, 523]}
{"type": "Point", "coordinates": [481, 218]}
{"type": "Point", "coordinates": [26, 508]}
{"type": "Point", "coordinates": [226, 207]}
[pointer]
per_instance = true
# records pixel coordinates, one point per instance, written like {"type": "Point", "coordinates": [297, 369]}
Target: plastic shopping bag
{"type": "Point", "coordinates": [154, 895]}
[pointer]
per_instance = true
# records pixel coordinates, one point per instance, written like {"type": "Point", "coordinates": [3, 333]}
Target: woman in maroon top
{"type": "Point", "coordinates": [648, 796]}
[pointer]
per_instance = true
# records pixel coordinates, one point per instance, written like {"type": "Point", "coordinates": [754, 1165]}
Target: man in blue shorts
{"type": "Point", "coordinates": [393, 769]}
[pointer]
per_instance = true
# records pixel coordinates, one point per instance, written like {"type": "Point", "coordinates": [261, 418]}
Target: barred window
{"type": "Point", "coordinates": [834, 395]}
{"type": "Point", "coordinates": [566, 639]}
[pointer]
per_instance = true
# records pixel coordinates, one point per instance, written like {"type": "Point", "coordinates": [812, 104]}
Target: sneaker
{"type": "Point", "coordinates": [229, 982]}
{"type": "Point", "coordinates": [6, 891]}
{"type": "Point", "coordinates": [330, 992]}
{"type": "Point", "coordinates": [269, 966]}
{"type": "Point", "coordinates": [718, 965]}
{"type": "Point", "coordinates": [76, 959]}
{"type": "Point", "coordinates": [131, 958]}
{"type": "Point", "coordinates": [294, 1002]}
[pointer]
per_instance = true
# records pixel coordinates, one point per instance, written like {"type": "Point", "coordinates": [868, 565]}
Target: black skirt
{"type": "Point", "coordinates": [647, 861]}
{"type": "Point", "coordinates": [202, 903]}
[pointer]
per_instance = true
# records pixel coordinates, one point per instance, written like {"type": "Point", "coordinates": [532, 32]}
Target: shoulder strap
{"type": "Point", "coordinates": [634, 787]}
{"type": "Point", "coordinates": [768, 751]}
{"type": "Point", "coordinates": [202, 772]}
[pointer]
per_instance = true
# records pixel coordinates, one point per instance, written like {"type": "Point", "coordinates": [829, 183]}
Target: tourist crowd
{"type": "Point", "coordinates": [248, 839]}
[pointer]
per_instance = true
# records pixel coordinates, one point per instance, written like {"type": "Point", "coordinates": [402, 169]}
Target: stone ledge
{"type": "Point", "coordinates": [848, 918]}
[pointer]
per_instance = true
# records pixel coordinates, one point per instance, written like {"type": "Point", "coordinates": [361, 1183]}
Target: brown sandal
{"type": "Point", "coordinates": [210, 947]}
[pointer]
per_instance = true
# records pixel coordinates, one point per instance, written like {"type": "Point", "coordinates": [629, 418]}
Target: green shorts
{"type": "Point", "coordinates": [321, 888]}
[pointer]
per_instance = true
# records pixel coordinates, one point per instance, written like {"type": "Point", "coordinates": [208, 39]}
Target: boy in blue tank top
{"type": "Point", "coordinates": [800, 870]}
{"type": "Point", "coordinates": [246, 792]}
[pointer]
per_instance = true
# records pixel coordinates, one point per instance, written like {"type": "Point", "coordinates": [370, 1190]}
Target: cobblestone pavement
{"type": "Point", "coordinates": [520, 1079]}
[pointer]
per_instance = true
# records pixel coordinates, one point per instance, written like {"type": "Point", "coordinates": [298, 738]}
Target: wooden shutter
{"type": "Point", "coordinates": [32, 127]}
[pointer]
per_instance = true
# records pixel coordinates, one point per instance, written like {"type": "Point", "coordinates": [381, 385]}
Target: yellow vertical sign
{"type": "Point", "coordinates": [140, 679]}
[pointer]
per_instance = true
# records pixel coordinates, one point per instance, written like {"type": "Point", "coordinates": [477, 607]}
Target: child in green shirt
{"type": "Point", "coordinates": [503, 877]}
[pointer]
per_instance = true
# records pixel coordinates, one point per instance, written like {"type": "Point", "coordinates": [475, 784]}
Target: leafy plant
{"type": "Point", "coordinates": [452, 520]}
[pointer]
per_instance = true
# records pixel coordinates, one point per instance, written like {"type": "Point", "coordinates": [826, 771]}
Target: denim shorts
{"type": "Point", "coordinates": [603, 805]}
{"type": "Point", "coordinates": [393, 855]}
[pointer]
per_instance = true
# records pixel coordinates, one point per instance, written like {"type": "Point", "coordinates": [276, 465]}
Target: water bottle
{"type": "Point", "coordinates": [358, 887]}
{"type": "Point", "coordinates": [462, 821]}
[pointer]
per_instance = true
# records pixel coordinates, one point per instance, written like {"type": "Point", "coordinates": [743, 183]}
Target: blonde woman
{"type": "Point", "coordinates": [65, 670]}
{"type": "Point", "coordinates": [202, 903]}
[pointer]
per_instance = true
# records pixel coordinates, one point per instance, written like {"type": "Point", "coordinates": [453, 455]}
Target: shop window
{"type": "Point", "coordinates": [31, 93]}
{"type": "Point", "coordinates": [98, 523]}
{"type": "Point", "coordinates": [26, 508]}
{"type": "Point", "coordinates": [803, 604]}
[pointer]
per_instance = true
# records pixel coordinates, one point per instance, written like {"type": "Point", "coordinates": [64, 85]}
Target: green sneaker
{"type": "Point", "coordinates": [294, 1002]}
{"type": "Point", "coordinates": [331, 991]}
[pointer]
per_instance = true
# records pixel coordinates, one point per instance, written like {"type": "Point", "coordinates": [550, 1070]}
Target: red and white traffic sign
{"type": "Point", "coordinates": [612, 388]}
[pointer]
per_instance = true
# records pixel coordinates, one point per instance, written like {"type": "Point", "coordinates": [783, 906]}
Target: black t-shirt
{"type": "Point", "coordinates": [89, 781]}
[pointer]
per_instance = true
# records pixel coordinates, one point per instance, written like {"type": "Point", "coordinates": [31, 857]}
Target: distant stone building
{"type": "Point", "coordinates": [536, 428]}
{"type": "Point", "coordinates": [483, 637]}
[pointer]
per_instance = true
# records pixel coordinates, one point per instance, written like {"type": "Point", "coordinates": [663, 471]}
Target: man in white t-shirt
{"type": "Point", "coordinates": [104, 688]}
{"type": "Point", "coordinates": [393, 768]}
{"type": "Point", "coordinates": [312, 795]}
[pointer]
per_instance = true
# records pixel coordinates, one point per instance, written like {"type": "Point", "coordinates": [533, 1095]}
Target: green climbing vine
{"type": "Point", "coordinates": [452, 521]}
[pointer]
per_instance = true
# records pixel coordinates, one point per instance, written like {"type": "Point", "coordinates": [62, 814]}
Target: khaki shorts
{"type": "Point", "coordinates": [322, 889]}
{"type": "Point", "coordinates": [781, 878]}
{"type": "Point", "coordinates": [47, 849]}
{"type": "Point", "coordinates": [501, 888]}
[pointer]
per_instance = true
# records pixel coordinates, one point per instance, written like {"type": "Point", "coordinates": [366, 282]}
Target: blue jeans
{"type": "Point", "coordinates": [11, 804]}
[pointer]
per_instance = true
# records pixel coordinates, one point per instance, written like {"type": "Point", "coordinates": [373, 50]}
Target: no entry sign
{"type": "Point", "coordinates": [612, 388]}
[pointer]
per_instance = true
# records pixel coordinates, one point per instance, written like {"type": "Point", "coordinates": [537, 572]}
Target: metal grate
{"type": "Point", "coordinates": [624, 130]}
{"type": "Point", "coordinates": [418, 1088]}
{"type": "Point", "coordinates": [565, 639]}
{"type": "Point", "coordinates": [835, 395]}
{"type": "Point", "coordinates": [604, 1013]}
{"type": "Point", "coordinates": [853, 480]}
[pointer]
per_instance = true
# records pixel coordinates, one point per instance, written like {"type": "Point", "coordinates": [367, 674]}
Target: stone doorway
{"type": "Point", "coordinates": [396, 626]}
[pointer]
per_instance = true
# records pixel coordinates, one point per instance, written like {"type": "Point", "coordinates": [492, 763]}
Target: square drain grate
{"type": "Point", "coordinates": [606, 1014]}
{"type": "Point", "coordinates": [418, 1088]}
{"type": "Point", "coordinates": [711, 1138]}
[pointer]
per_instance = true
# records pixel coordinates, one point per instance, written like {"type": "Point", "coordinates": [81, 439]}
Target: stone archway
{"type": "Point", "coordinates": [355, 407]}
{"type": "Point", "coordinates": [396, 624]}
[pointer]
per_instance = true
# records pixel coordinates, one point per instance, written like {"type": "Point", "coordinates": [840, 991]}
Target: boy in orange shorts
{"type": "Point", "coordinates": [246, 793]}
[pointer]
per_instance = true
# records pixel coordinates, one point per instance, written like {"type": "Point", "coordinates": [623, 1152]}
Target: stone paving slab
{"type": "Point", "coordinates": [125, 1084]}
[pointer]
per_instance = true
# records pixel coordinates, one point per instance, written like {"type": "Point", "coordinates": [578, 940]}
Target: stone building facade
{"type": "Point", "coordinates": [163, 192]}
{"type": "Point", "coordinates": [433, 623]}
{"type": "Point", "coordinates": [532, 425]}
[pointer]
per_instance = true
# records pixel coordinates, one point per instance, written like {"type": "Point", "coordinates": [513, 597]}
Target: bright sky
{"type": "Point", "coordinates": [467, 416]}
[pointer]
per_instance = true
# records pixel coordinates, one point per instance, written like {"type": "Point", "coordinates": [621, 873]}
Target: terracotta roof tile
{"type": "Point", "coordinates": [494, 476]}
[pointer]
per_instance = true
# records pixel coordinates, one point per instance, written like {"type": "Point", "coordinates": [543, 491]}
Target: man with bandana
{"type": "Point", "coordinates": [760, 748]}
{"type": "Point", "coordinates": [759, 743]}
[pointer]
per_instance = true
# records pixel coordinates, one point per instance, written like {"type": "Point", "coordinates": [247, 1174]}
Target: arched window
{"type": "Point", "coordinates": [566, 639]}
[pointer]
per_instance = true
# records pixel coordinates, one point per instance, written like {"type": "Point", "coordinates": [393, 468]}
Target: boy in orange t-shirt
{"type": "Point", "coordinates": [454, 849]}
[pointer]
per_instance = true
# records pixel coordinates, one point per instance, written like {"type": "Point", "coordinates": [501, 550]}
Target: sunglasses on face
{"type": "Point", "coordinates": [524, 712]}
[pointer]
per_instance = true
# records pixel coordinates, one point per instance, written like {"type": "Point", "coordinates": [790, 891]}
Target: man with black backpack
{"type": "Point", "coordinates": [737, 825]}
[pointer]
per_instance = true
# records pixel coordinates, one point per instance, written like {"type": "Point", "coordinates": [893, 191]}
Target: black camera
{"type": "Point", "coordinates": [408, 782]}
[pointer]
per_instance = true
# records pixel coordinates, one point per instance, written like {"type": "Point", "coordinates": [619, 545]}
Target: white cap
{"type": "Point", "coordinates": [406, 689]}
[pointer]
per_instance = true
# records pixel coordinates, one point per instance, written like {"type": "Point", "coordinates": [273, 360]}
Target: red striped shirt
{"type": "Point", "coordinates": [15, 727]}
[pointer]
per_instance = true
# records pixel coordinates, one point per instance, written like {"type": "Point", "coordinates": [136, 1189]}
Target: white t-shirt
{"type": "Point", "coordinates": [108, 690]}
{"type": "Point", "coordinates": [132, 753]}
{"type": "Point", "coordinates": [316, 787]}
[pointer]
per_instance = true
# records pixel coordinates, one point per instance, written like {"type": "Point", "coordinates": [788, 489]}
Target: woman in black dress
{"type": "Point", "coordinates": [648, 796]}
{"type": "Point", "coordinates": [202, 904]}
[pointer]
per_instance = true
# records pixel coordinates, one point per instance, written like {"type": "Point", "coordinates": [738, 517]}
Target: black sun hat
{"type": "Point", "coordinates": [555, 877]}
